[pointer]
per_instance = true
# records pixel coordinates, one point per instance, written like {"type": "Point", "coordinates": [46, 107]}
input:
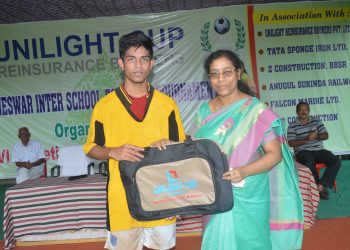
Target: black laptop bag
{"type": "Point", "coordinates": [184, 179]}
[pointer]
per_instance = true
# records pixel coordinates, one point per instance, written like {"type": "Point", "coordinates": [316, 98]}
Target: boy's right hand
{"type": "Point", "coordinates": [127, 152]}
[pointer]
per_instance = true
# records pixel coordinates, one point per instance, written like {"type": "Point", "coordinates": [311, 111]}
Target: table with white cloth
{"type": "Point", "coordinates": [45, 208]}
{"type": "Point", "coordinates": [60, 209]}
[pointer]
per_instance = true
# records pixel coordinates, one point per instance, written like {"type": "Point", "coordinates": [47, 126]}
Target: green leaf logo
{"type": "Point", "coordinates": [240, 35]}
{"type": "Point", "coordinates": [206, 46]}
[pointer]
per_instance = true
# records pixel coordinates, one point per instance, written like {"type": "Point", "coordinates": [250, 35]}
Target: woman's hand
{"type": "Point", "coordinates": [235, 175]}
{"type": "Point", "coordinates": [272, 157]}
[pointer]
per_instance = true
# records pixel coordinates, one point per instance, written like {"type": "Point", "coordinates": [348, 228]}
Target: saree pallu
{"type": "Point", "coordinates": [268, 209]}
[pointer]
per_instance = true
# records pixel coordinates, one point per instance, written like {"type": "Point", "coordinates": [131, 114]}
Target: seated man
{"type": "Point", "coordinates": [305, 135]}
{"type": "Point", "coordinates": [29, 157]}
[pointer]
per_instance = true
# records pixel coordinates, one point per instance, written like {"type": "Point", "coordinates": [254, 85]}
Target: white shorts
{"type": "Point", "coordinates": [161, 237]}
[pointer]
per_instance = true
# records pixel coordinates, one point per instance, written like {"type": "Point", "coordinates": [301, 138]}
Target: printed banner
{"type": "Point", "coordinates": [302, 54]}
{"type": "Point", "coordinates": [53, 73]}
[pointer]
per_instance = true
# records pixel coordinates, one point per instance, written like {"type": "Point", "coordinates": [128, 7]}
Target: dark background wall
{"type": "Point", "coordinates": [16, 11]}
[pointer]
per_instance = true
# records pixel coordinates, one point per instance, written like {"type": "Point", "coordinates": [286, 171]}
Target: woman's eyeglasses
{"type": "Point", "coordinates": [226, 73]}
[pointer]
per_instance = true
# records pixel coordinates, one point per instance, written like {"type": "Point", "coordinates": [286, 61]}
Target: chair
{"type": "Point", "coordinates": [72, 161]}
{"type": "Point", "coordinates": [102, 168]}
{"type": "Point", "coordinates": [319, 166]}
{"type": "Point", "coordinates": [44, 175]}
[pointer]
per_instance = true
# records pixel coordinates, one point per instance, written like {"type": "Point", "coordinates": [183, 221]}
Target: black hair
{"type": "Point", "coordinates": [228, 54]}
{"type": "Point", "coordinates": [236, 62]}
{"type": "Point", "coordinates": [135, 39]}
{"type": "Point", "coordinates": [301, 104]}
{"type": "Point", "coordinates": [243, 87]}
{"type": "Point", "coordinates": [25, 128]}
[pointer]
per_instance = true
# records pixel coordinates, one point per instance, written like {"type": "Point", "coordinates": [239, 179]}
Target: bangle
{"type": "Point", "coordinates": [242, 173]}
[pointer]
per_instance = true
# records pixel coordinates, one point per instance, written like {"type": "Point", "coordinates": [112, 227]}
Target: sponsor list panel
{"type": "Point", "coordinates": [302, 54]}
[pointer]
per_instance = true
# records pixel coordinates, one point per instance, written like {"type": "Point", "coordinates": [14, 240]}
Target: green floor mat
{"type": "Point", "coordinates": [338, 204]}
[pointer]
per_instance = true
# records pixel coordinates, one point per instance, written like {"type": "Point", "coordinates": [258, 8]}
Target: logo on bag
{"type": "Point", "coordinates": [169, 175]}
{"type": "Point", "coordinates": [174, 186]}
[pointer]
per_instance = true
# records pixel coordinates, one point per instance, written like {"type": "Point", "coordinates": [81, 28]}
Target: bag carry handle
{"type": "Point", "coordinates": [190, 147]}
{"type": "Point", "coordinates": [189, 143]}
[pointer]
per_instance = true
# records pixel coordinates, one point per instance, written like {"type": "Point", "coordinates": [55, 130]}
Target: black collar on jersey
{"type": "Point", "coordinates": [125, 100]}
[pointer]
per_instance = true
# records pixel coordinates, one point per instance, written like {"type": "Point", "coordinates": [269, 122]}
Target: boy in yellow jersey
{"type": "Point", "coordinates": [123, 122]}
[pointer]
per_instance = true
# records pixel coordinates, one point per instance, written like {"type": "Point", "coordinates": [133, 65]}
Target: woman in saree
{"type": "Point", "coordinates": [267, 211]}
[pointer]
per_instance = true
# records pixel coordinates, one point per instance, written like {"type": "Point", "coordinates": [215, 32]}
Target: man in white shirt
{"type": "Point", "coordinates": [29, 157]}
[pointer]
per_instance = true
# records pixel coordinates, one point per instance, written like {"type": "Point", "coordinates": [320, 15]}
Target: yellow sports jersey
{"type": "Point", "coordinates": [113, 125]}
